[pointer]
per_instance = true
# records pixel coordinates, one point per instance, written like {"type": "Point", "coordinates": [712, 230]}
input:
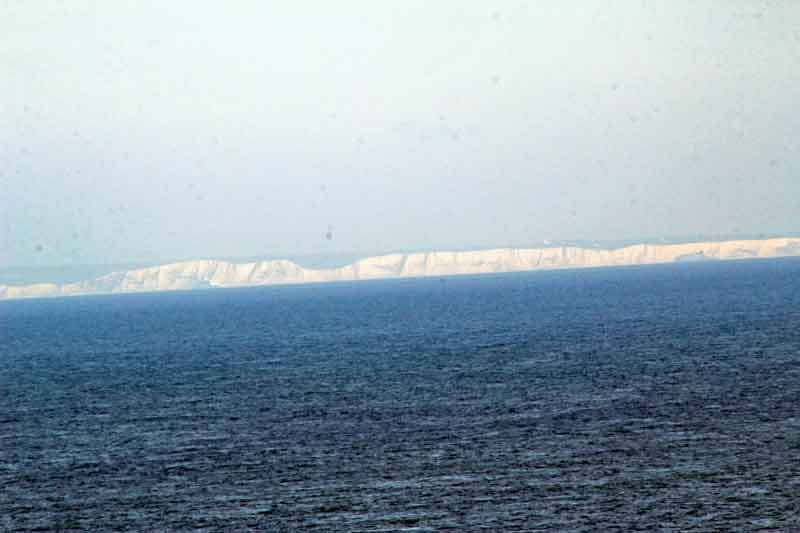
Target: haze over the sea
{"type": "Point", "coordinates": [149, 131]}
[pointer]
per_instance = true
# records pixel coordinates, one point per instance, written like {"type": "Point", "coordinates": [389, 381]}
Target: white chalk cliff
{"type": "Point", "coordinates": [207, 273]}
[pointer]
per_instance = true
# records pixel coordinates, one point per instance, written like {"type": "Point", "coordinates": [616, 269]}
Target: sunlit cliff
{"type": "Point", "coordinates": [209, 273]}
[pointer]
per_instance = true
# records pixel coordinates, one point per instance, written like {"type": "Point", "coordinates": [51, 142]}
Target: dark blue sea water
{"type": "Point", "coordinates": [650, 398]}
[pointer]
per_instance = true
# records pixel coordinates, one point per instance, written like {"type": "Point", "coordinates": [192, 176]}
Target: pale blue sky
{"type": "Point", "coordinates": [159, 130]}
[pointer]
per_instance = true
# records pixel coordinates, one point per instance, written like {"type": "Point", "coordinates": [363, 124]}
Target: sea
{"type": "Point", "coordinates": [654, 398]}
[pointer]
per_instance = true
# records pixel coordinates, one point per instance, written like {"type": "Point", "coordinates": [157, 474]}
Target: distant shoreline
{"type": "Point", "coordinates": [200, 274]}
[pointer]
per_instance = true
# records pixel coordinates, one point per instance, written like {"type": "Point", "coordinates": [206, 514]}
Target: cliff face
{"type": "Point", "coordinates": [204, 274]}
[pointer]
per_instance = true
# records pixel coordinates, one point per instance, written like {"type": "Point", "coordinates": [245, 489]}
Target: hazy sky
{"type": "Point", "coordinates": [156, 130]}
